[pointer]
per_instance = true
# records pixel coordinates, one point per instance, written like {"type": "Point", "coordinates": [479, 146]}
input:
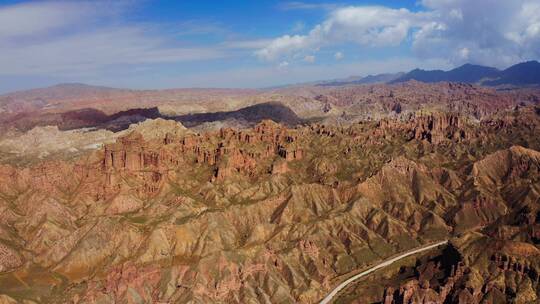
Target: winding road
{"type": "Point", "coordinates": [336, 290]}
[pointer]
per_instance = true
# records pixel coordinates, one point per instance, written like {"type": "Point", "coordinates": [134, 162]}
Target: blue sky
{"type": "Point", "coordinates": [164, 44]}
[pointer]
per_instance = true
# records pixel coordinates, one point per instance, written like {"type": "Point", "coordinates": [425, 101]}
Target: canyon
{"type": "Point", "coordinates": [277, 197]}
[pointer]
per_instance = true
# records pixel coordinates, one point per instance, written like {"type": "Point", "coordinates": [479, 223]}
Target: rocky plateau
{"type": "Point", "coordinates": [106, 202]}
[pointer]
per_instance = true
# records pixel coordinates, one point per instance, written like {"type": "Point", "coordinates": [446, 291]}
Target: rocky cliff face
{"type": "Point", "coordinates": [273, 214]}
{"type": "Point", "coordinates": [499, 263]}
{"type": "Point", "coordinates": [497, 277]}
{"type": "Point", "coordinates": [433, 128]}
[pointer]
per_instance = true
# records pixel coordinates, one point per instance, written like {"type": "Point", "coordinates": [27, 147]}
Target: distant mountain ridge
{"type": "Point", "coordinates": [526, 73]}
{"type": "Point", "coordinates": [370, 79]}
{"type": "Point", "coordinates": [521, 74]}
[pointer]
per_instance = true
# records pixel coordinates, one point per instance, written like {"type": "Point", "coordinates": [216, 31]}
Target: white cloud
{"type": "Point", "coordinates": [481, 31]}
{"type": "Point", "coordinates": [369, 25]}
{"type": "Point", "coordinates": [283, 45]}
{"type": "Point", "coordinates": [365, 25]}
{"type": "Point", "coordinates": [309, 58]}
{"type": "Point", "coordinates": [85, 54]}
{"type": "Point", "coordinates": [34, 19]}
{"type": "Point", "coordinates": [81, 38]}
{"type": "Point", "coordinates": [493, 32]}
{"type": "Point", "coordinates": [338, 56]}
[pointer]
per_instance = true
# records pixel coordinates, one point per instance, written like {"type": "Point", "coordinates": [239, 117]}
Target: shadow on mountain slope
{"type": "Point", "coordinates": [92, 118]}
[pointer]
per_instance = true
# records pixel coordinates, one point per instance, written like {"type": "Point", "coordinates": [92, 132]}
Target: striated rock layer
{"type": "Point", "coordinates": [277, 215]}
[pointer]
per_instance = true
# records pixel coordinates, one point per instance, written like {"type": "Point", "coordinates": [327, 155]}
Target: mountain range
{"type": "Point", "coordinates": [370, 79]}
{"type": "Point", "coordinates": [525, 73]}
{"type": "Point", "coordinates": [521, 74]}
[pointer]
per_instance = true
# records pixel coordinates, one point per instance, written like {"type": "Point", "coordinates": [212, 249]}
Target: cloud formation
{"type": "Point", "coordinates": [79, 38]}
{"type": "Point", "coordinates": [364, 25]}
{"type": "Point", "coordinates": [481, 31]}
{"type": "Point", "coordinates": [31, 19]}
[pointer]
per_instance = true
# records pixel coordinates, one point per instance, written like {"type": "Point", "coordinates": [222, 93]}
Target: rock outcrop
{"type": "Point", "coordinates": [273, 214]}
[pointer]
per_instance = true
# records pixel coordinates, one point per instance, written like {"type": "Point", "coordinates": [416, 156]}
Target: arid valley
{"type": "Point", "coordinates": [274, 201]}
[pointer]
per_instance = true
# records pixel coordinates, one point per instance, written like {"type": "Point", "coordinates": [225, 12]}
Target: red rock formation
{"type": "Point", "coordinates": [419, 291]}
{"type": "Point", "coordinates": [345, 189]}
{"type": "Point", "coordinates": [126, 153]}
{"type": "Point", "coordinates": [437, 128]}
